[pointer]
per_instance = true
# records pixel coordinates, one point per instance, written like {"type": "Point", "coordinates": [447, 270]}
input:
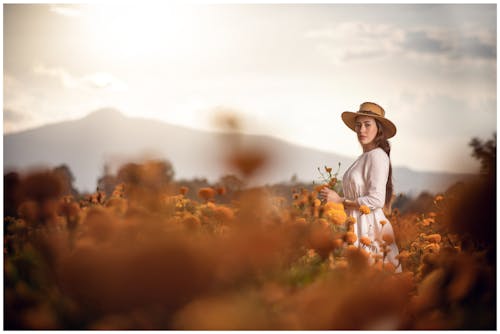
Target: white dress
{"type": "Point", "coordinates": [365, 182]}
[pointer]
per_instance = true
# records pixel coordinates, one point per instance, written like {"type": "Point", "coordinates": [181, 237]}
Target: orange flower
{"type": "Point", "coordinates": [223, 214]}
{"type": "Point", "coordinates": [337, 217]}
{"type": "Point", "coordinates": [337, 243]}
{"type": "Point", "coordinates": [183, 190]}
{"type": "Point", "coordinates": [357, 257]}
{"type": "Point", "coordinates": [191, 221]}
{"type": "Point", "coordinates": [334, 206]}
{"type": "Point", "coordinates": [432, 248]}
{"type": "Point", "coordinates": [427, 221]}
{"type": "Point", "coordinates": [328, 169]}
{"type": "Point", "coordinates": [404, 255]}
{"type": "Point", "coordinates": [438, 198]}
{"type": "Point", "coordinates": [119, 190]}
{"type": "Point", "coordinates": [248, 161]}
{"type": "Point", "coordinates": [301, 221]}
{"type": "Point", "coordinates": [350, 237]}
{"type": "Point", "coordinates": [311, 253]}
{"type": "Point", "coordinates": [206, 193]}
{"type": "Point", "coordinates": [220, 190]}
{"type": "Point", "coordinates": [388, 238]}
{"type": "Point", "coordinates": [383, 222]}
{"type": "Point", "coordinates": [436, 238]}
{"type": "Point", "coordinates": [364, 209]}
{"type": "Point", "coordinates": [365, 241]}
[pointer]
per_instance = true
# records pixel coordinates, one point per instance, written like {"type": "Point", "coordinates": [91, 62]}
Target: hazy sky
{"type": "Point", "coordinates": [288, 70]}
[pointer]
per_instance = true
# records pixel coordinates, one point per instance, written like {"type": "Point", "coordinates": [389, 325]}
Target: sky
{"type": "Point", "coordinates": [287, 70]}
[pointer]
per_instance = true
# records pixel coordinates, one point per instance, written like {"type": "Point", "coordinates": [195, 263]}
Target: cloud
{"type": "Point", "coordinates": [453, 44]}
{"type": "Point", "coordinates": [419, 41]}
{"type": "Point", "coordinates": [353, 40]}
{"type": "Point", "coordinates": [102, 80]}
{"type": "Point", "coordinates": [65, 11]}
{"type": "Point", "coordinates": [59, 73]}
{"type": "Point", "coordinates": [97, 80]}
{"type": "Point", "coordinates": [473, 47]}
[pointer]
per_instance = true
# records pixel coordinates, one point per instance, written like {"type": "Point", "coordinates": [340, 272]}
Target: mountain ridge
{"type": "Point", "coordinates": [88, 143]}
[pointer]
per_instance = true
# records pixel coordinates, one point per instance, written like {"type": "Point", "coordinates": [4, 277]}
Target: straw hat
{"type": "Point", "coordinates": [373, 110]}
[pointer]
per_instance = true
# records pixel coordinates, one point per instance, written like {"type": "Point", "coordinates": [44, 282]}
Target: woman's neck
{"type": "Point", "coordinates": [369, 147]}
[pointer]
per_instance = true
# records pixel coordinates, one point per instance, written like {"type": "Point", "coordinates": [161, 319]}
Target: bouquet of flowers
{"type": "Point", "coordinates": [330, 179]}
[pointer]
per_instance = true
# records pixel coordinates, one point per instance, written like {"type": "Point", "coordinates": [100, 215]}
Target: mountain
{"type": "Point", "coordinates": [108, 137]}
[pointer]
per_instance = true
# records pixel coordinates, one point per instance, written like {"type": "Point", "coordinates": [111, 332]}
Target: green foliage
{"type": "Point", "coordinates": [305, 270]}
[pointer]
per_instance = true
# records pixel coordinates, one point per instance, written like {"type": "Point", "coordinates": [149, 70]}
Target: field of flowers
{"type": "Point", "coordinates": [157, 255]}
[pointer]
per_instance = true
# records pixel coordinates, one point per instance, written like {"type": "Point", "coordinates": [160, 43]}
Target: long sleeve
{"type": "Point", "coordinates": [376, 173]}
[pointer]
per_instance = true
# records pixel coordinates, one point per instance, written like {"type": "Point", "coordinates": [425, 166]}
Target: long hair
{"type": "Point", "coordinates": [382, 142]}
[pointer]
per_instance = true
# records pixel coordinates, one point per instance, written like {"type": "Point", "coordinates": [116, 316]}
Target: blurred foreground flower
{"type": "Point", "coordinates": [364, 209]}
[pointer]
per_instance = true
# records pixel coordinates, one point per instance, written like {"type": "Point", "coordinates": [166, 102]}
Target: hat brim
{"type": "Point", "coordinates": [349, 119]}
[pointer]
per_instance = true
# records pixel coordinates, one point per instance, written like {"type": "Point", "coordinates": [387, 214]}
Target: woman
{"type": "Point", "coordinates": [368, 181]}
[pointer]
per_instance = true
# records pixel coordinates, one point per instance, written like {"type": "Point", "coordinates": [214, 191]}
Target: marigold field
{"type": "Point", "coordinates": [156, 255]}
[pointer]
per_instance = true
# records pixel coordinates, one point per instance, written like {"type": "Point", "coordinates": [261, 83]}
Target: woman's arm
{"type": "Point", "coordinates": [350, 204]}
{"type": "Point", "coordinates": [332, 196]}
{"type": "Point", "coordinates": [376, 172]}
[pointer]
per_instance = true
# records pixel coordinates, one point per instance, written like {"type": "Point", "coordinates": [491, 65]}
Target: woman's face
{"type": "Point", "coordinates": [366, 129]}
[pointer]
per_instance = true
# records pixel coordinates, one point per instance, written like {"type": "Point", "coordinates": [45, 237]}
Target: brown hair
{"type": "Point", "coordinates": [382, 142]}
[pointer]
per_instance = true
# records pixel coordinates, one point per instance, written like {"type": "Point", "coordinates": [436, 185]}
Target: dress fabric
{"type": "Point", "coordinates": [365, 182]}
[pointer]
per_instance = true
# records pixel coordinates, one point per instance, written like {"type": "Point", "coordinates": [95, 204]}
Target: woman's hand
{"type": "Point", "coordinates": [330, 195]}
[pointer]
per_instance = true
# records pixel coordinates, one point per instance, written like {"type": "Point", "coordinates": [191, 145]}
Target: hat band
{"type": "Point", "coordinates": [369, 112]}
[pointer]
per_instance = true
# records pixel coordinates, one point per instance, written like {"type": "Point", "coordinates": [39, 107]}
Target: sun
{"type": "Point", "coordinates": [135, 30]}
